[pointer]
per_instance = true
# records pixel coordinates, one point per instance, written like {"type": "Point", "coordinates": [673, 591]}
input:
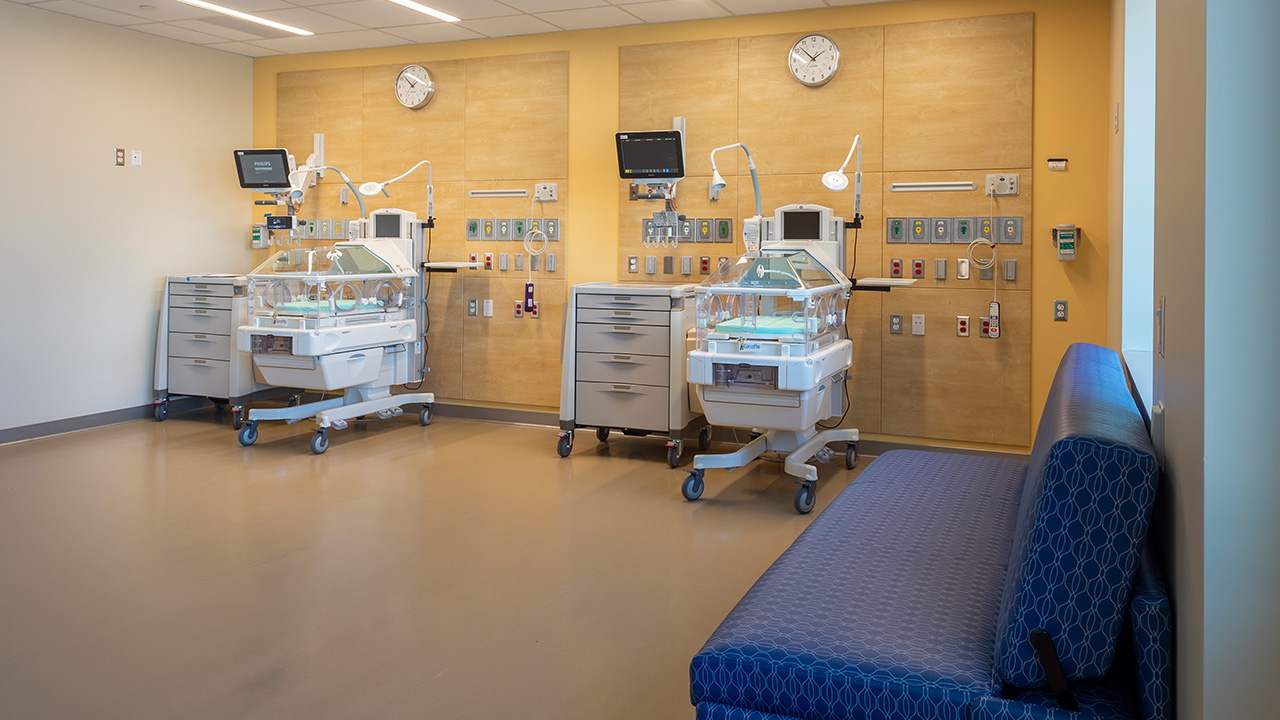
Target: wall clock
{"type": "Point", "coordinates": [415, 87]}
{"type": "Point", "coordinates": [814, 60]}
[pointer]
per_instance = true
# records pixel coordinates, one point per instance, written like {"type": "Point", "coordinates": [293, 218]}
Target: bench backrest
{"type": "Point", "coordinates": [1085, 506]}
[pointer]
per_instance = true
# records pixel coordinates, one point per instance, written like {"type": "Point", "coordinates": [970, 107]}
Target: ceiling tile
{"type": "Point", "coordinates": [243, 49]}
{"type": "Point", "coordinates": [434, 32]}
{"type": "Point", "coordinates": [238, 31]}
{"type": "Point", "coordinates": [508, 26]}
{"type": "Point", "coordinates": [374, 13]}
{"type": "Point", "coordinates": [246, 6]}
{"type": "Point", "coordinates": [675, 10]}
{"type": "Point", "coordinates": [174, 32]}
{"type": "Point", "coordinates": [163, 10]}
{"type": "Point", "coordinates": [315, 21]}
{"type": "Point", "coordinates": [546, 6]}
{"type": "Point", "coordinates": [589, 18]}
{"type": "Point", "coordinates": [752, 7]}
{"type": "Point", "coordinates": [333, 42]}
{"type": "Point", "coordinates": [90, 12]}
{"type": "Point", "coordinates": [470, 9]}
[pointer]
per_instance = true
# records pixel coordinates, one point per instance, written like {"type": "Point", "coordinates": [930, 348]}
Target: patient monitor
{"type": "Point", "coordinates": [811, 224]}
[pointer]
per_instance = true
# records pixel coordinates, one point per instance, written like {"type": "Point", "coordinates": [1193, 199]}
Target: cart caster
{"type": "Point", "coordinates": [704, 438]}
{"type": "Point", "coordinates": [249, 433]}
{"type": "Point", "coordinates": [806, 496]}
{"type": "Point", "coordinates": [294, 401]}
{"type": "Point", "coordinates": [219, 405]}
{"type": "Point", "coordinates": [565, 445]}
{"type": "Point", "coordinates": [161, 410]}
{"type": "Point", "coordinates": [320, 441]}
{"type": "Point", "coordinates": [851, 455]}
{"type": "Point", "coordinates": [237, 417]}
{"type": "Point", "coordinates": [673, 455]}
{"type": "Point", "coordinates": [692, 487]}
{"type": "Point", "coordinates": [602, 434]}
{"type": "Point", "coordinates": [424, 416]}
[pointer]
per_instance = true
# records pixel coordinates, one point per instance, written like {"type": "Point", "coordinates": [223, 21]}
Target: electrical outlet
{"type": "Point", "coordinates": [704, 264]}
{"type": "Point", "coordinates": [519, 309]}
{"type": "Point", "coordinates": [895, 268]}
{"type": "Point", "coordinates": [474, 257]}
{"type": "Point", "coordinates": [962, 326]}
{"type": "Point", "coordinates": [534, 312]}
{"type": "Point", "coordinates": [917, 269]}
{"type": "Point", "coordinates": [1059, 310]}
{"type": "Point", "coordinates": [917, 325]}
{"type": "Point", "coordinates": [488, 261]}
{"type": "Point", "coordinates": [895, 324]}
{"type": "Point", "coordinates": [545, 192]}
{"type": "Point", "coordinates": [473, 307]}
{"type": "Point", "coordinates": [120, 156]}
{"type": "Point", "coordinates": [962, 268]}
{"type": "Point", "coordinates": [1002, 184]}
{"type": "Point", "coordinates": [633, 263]}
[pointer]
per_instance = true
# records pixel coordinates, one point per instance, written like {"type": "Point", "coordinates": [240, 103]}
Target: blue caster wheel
{"type": "Point", "coordinates": [692, 487]}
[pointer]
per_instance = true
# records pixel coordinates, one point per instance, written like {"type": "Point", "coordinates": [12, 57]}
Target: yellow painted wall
{"type": "Point", "coordinates": [1070, 120]}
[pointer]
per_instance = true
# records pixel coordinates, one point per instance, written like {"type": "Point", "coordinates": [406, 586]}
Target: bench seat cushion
{"type": "Point", "coordinates": [886, 606]}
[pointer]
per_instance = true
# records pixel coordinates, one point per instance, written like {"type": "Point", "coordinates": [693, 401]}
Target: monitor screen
{"type": "Point", "coordinates": [650, 155]}
{"type": "Point", "coordinates": [263, 169]}
{"type": "Point", "coordinates": [802, 225]}
{"type": "Point", "coordinates": [386, 225]}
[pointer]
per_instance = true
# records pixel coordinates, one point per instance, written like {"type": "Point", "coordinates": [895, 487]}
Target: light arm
{"type": "Point", "coordinates": [718, 183]}
{"type": "Point", "coordinates": [296, 193]}
{"type": "Point", "coordinates": [837, 181]}
{"type": "Point", "coordinates": [370, 189]}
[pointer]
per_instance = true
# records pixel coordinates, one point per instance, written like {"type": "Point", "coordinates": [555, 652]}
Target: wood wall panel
{"type": "Point", "coordinates": [942, 386]}
{"type": "Point", "coordinates": [508, 359]}
{"type": "Point", "coordinates": [322, 101]}
{"type": "Point", "coordinates": [792, 128]}
{"type": "Point", "coordinates": [396, 138]}
{"type": "Point", "coordinates": [694, 80]}
{"type": "Point", "coordinates": [495, 122]}
{"type": "Point", "coordinates": [957, 93]}
{"type": "Point", "coordinates": [517, 117]}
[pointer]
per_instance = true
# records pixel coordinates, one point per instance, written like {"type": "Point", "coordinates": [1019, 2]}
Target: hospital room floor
{"type": "Point", "coordinates": [462, 570]}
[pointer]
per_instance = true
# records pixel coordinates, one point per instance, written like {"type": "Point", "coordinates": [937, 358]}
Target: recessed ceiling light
{"type": "Point", "coordinates": [147, 8]}
{"type": "Point", "coordinates": [245, 16]}
{"type": "Point", "coordinates": [426, 10]}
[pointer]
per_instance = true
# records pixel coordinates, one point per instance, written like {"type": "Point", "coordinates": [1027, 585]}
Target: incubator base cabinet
{"type": "Point", "coordinates": [772, 356]}
{"type": "Point", "coordinates": [342, 317]}
{"type": "Point", "coordinates": [624, 367]}
{"type": "Point", "coordinates": [195, 345]}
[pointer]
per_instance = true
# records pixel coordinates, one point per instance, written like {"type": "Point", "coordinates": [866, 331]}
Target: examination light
{"type": "Point", "coordinates": [371, 189]}
{"type": "Point", "coordinates": [717, 181]}
{"type": "Point", "coordinates": [837, 181]}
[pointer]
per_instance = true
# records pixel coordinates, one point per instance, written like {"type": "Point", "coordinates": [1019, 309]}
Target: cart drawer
{"type": "Point", "coordinates": [624, 339]}
{"type": "Point", "coordinates": [620, 405]}
{"type": "Point", "coordinates": [613, 367]}
{"type": "Point", "coordinates": [618, 316]}
{"type": "Point", "coordinates": [204, 378]}
{"type": "Point", "coordinates": [624, 302]}
{"type": "Point", "coordinates": [190, 288]}
{"type": "Point", "coordinates": [200, 320]}
{"type": "Point", "coordinates": [200, 301]}
{"type": "Point", "coordinates": [200, 345]}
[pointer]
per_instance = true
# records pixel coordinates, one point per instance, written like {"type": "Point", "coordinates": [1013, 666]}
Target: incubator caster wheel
{"type": "Point", "coordinates": [673, 455]}
{"type": "Point", "coordinates": [565, 445]}
{"type": "Point", "coordinates": [320, 441]}
{"type": "Point", "coordinates": [692, 487]}
{"type": "Point", "coordinates": [602, 434]}
{"type": "Point", "coordinates": [704, 438]}
{"type": "Point", "coordinates": [294, 401]}
{"type": "Point", "coordinates": [161, 410]}
{"type": "Point", "coordinates": [805, 498]}
{"type": "Point", "coordinates": [219, 405]}
{"type": "Point", "coordinates": [237, 417]}
{"type": "Point", "coordinates": [424, 416]}
{"type": "Point", "coordinates": [248, 434]}
{"type": "Point", "coordinates": [851, 455]}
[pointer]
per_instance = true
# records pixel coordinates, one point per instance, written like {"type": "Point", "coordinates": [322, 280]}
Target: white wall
{"type": "Point", "coordinates": [86, 244]}
{"type": "Point", "coordinates": [1242, 354]}
{"type": "Point", "coordinates": [1139, 189]}
{"type": "Point", "coordinates": [1179, 376]}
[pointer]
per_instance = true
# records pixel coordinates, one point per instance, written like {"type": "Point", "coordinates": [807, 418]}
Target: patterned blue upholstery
{"type": "Point", "coordinates": [1097, 699]}
{"type": "Point", "coordinates": [716, 711]}
{"type": "Point", "coordinates": [885, 607]}
{"type": "Point", "coordinates": [1086, 503]}
{"type": "Point", "coordinates": [1151, 624]}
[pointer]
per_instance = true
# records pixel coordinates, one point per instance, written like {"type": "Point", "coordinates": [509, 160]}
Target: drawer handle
{"type": "Point", "coordinates": [625, 301]}
{"type": "Point", "coordinates": [621, 313]}
{"type": "Point", "coordinates": [623, 330]}
{"type": "Point", "coordinates": [200, 337]}
{"type": "Point", "coordinates": [624, 359]}
{"type": "Point", "coordinates": [201, 300]}
{"type": "Point", "coordinates": [624, 389]}
{"type": "Point", "coordinates": [200, 311]}
{"type": "Point", "coordinates": [198, 362]}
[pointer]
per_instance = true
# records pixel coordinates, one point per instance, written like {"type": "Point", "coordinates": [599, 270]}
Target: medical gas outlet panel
{"type": "Point", "coordinates": [512, 229]}
{"type": "Point", "coordinates": [945, 230]}
{"type": "Point", "coordinates": [283, 230]}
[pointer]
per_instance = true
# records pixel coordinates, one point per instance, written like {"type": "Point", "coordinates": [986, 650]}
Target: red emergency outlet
{"type": "Point", "coordinates": [917, 268]}
{"type": "Point", "coordinates": [895, 268]}
{"type": "Point", "coordinates": [488, 261]}
{"type": "Point", "coordinates": [706, 265]}
{"type": "Point", "coordinates": [519, 309]}
{"type": "Point", "coordinates": [534, 312]}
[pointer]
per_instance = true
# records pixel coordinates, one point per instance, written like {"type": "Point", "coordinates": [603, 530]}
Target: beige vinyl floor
{"type": "Point", "coordinates": [461, 570]}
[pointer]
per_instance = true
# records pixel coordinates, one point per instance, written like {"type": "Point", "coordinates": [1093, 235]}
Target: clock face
{"type": "Point", "coordinates": [814, 59]}
{"type": "Point", "coordinates": [415, 87]}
